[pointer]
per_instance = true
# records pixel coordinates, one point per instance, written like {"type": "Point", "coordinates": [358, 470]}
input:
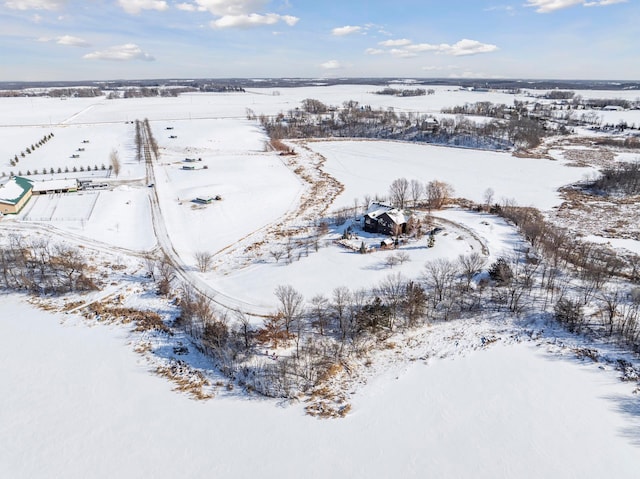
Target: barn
{"type": "Point", "coordinates": [14, 194]}
{"type": "Point", "coordinates": [55, 186]}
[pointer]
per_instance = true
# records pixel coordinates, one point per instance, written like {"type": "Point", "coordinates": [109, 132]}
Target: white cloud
{"type": "Point", "coordinates": [603, 3]}
{"type": "Point", "coordinates": [72, 41]}
{"type": "Point", "coordinates": [66, 40]}
{"type": "Point", "coordinates": [136, 6]}
{"type": "Point", "coordinates": [374, 51]}
{"type": "Point", "coordinates": [253, 20]}
{"type": "Point", "coordinates": [129, 51]}
{"type": "Point", "coordinates": [461, 48]}
{"type": "Point", "coordinates": [331, 65]}
{"type": "Point", "coordinates": [187, 7]}
{"type": "Point", "coordinates": [500, 8]}
{"type": "Point", "coordinates": [395, 43]}
{"type": "Point", "coordinates": [546, 6]}
{"type": "Point", "coordinates": [346, 30]}
{"type": "Point", "coordinates": [232, 8]}
{"type": "Point", "coordinates": [402, 53]}
{"type": "Point", "coordinates": [35, 4]}
{"type": "Point", "coordinates": [467, 47]}
{"type": "Point", "coordinates": [423, 47]}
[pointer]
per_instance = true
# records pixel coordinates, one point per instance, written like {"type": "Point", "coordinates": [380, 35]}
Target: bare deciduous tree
{"type": "Point", "coordinates": [276, 254]}
{"type": "Point", "coordinates": [438, 193]}
{"type": "Point", "coordinates": [399, 192]}
{"type": "Point", "coordinates": [488, 198]}
{"type": "Point", "coordinates": [204, 260]}
{"type": "Point", "coordinates": [440, 275]}
{"type": "Point", "coordinates": [166, 274]}
{"type": "Point", "coordinates": [470, 265]}
{"type": "Point", "coordinates": [114, 159]}
{"type": "Point", "coordinates": [291, 305]}
{"type": "Point", "coordinates": [392, 289]}
{"type": "Point", "coordinates": [417, 191]}
{"type": "Point", "coordinates": [244, 326]}
{"type": "Point", "coordinates": [340, 301]}
{"type": "Point", "coordinates": [319, 305]}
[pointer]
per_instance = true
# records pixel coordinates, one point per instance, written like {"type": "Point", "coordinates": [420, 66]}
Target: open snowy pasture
{"type": "Point", "coordinates": [80, 403]}
{"type": "Point", "coordinates": [79, 146]}
{"type": "Point", "coordinates": [256, 188]}
{"type": "Point", "coordinates": [369, 167]}
{"type": "Point", "coordinates": [43, 111]}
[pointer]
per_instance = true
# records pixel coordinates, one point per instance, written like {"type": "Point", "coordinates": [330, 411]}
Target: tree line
{"type": "Point", "coordinates": [39, 266]}
{"type": "Point", "coordinates": [314, 119]}
{"type": "Point", "coordinates": [404, 92]}
{"type": "Point", "coordinates": [621, 178]}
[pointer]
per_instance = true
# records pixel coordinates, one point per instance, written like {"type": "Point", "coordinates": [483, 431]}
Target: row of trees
{"type": "Point", "coordinates": [404, 92]}
{"type": "Point", "coordinates": [317, 120]}
{"type": "Point", "coordinates": [30, 149]}
{"type": "Point", "coordinates": [329, 329]}
{"type": "Point", "coordinates": [436, 193]}
{"type": "Point", "coordinates": [578, 101]}
{"type": "Point", "coordinates": [66, 169]}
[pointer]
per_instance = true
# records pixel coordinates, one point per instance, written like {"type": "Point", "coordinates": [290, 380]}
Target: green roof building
{"type": "Point", "coordinates": [14, 194]}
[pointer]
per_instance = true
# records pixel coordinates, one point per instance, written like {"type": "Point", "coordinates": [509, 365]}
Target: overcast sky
{"type": "Point", "coordinates": [136, 39]}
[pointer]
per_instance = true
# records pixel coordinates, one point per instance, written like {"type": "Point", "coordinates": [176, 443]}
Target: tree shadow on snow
{"type": "Point", "coordinates": [629, 407]}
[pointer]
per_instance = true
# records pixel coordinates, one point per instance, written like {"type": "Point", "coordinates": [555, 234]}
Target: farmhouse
{"type": "Point", "coordinates": [385, 219]}
{"type": "Point", "coordinates": [14, 194]}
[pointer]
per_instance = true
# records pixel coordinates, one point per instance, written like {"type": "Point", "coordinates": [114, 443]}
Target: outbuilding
{"type": "Point", "coordinates": [14, 194]}
{"type": "Point", "coordinates": [55, 186]}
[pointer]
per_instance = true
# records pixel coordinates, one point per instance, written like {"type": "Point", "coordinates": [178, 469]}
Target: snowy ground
{"type": "Point", "coordinates": [83, 404]}
{"type": "Point", "coordinates": [78, 402]}
{"type": "Point", "coordinates": [369, 167]}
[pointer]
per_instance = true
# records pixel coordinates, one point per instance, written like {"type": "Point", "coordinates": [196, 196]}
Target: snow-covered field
{"type": "Point", "coordinates": [362, 164]}
{"type": "Point", "coordinates": [77, 401]}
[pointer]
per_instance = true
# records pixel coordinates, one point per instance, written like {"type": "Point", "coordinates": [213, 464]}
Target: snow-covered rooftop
{"type": "Point", "coordinates": [61, 184]}
{"type": "Point", "coordinates": [14, 189]}
{"type": "Point", "coordinates": [376, 209]}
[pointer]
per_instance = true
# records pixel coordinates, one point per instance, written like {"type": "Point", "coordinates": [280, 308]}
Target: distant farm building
{"type": "Point", "coordinates": [55, 186]}
{"type": "Point", "coordinates": [17, 192]}
{"type": "Point", "coordinates": [385, 219]}
{"type": "Point", "coordinates": [205, 200]}
{"type": "Point", "coordinates": [14, 194]}
{"type": "Point", "coordinates": [90, 185]}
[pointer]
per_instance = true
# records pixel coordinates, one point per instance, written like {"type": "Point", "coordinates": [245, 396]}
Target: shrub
{"type": "Point", "coordinates": [501, 272]}
{"type": "Point", "coordinates": [569, 313]}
